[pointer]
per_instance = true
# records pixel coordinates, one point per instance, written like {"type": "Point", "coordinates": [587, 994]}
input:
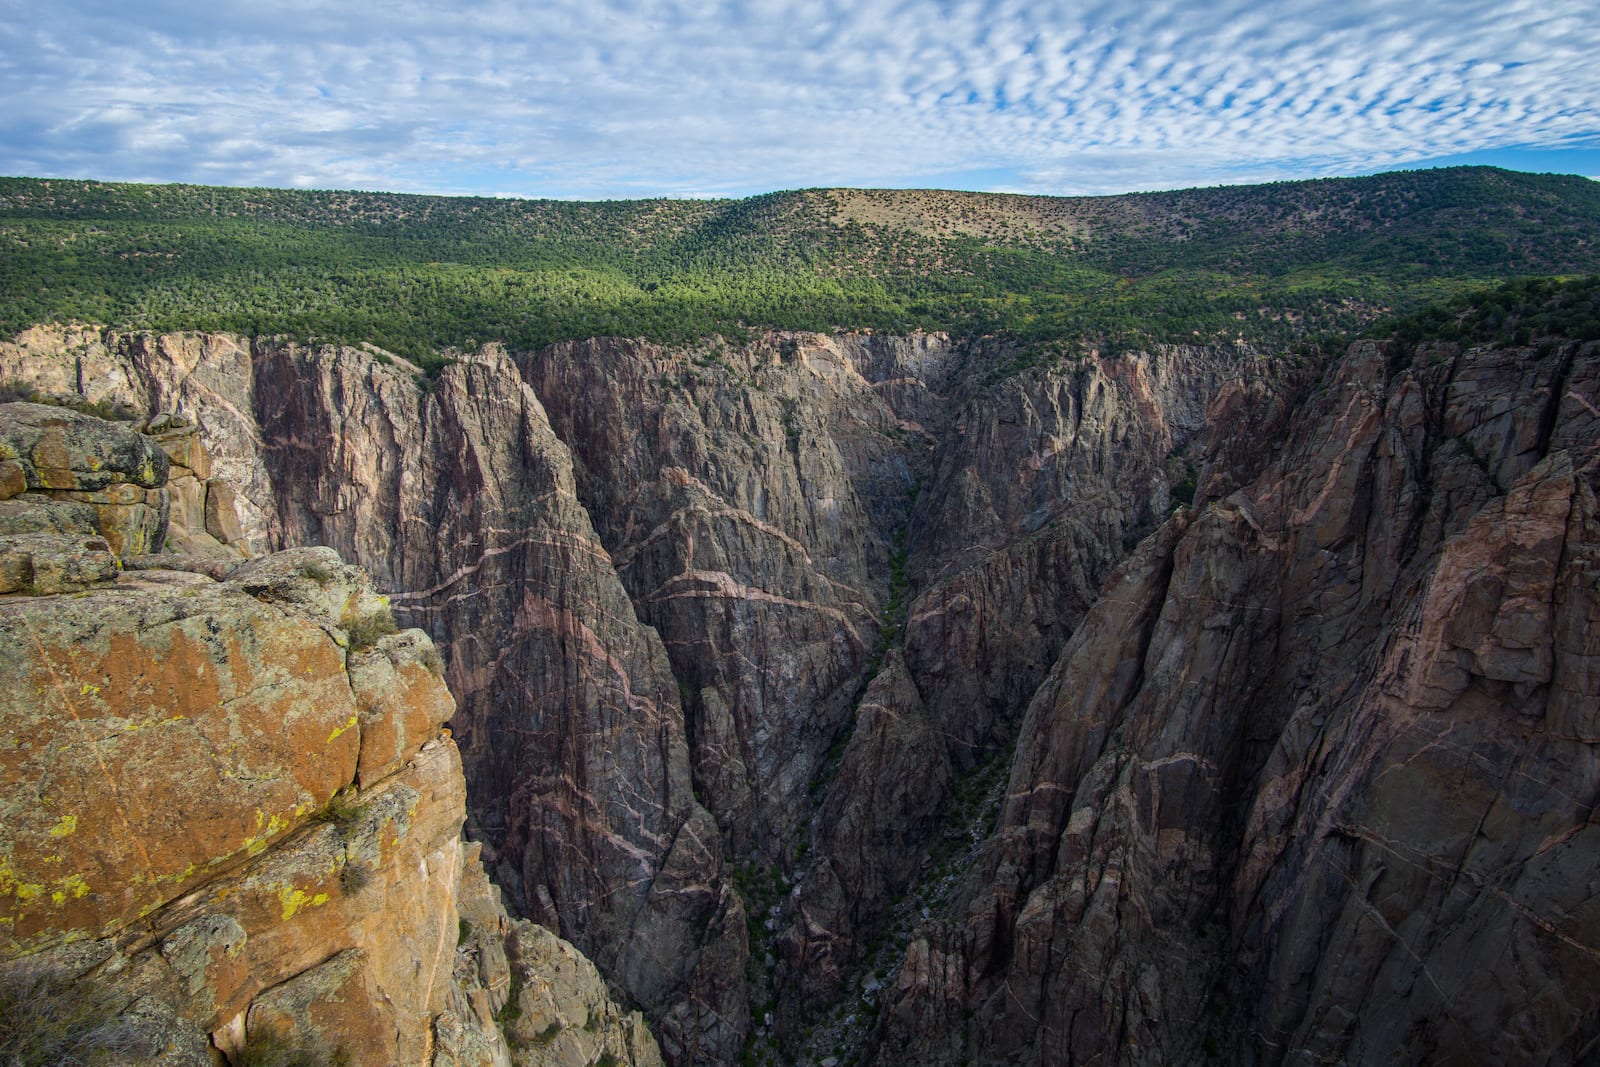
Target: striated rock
{"type": "Point", "coordinates": [570, 725]}
{"type": "Point", "coordinates": [770, 510]}
{"type": "Point", "coordinates": [1044, 483]}
{"type": "Point", "coordinates": [459, 500]}
{"type": "Point", "coordinates": [1307, 776]}
{"type": "Point", "coordinates": [747, 495]}
{"type": "Point", "coordinates": [1311, 776]}
{"type": "Point", "coordinates": [886, 804]}
{"type": "Point", "coordinates": [1037, 488]}
{"type": "Point", "coordinates": [174, 377]}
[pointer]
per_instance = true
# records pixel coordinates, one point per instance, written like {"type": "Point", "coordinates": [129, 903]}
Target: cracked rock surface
{"type": "Point", "coordinates": [1315, 779]}
{"type": "Point", "coordinates": [230, 816]}
{"type": "Point", "coordinates": [1299, 769]}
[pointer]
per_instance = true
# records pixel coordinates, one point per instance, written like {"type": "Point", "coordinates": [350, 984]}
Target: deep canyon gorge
{"type": "Point", "coordinates": [868, 697]}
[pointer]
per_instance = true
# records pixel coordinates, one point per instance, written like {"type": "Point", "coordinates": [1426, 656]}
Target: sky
{"type": "Point", "coordinates": [601, 99]}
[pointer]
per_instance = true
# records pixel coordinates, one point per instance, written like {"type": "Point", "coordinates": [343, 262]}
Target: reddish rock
{"type": "Point", "coordinates": [117, 690]}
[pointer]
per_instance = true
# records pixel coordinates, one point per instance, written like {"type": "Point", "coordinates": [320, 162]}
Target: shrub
{"type": "Point", "coordinates": [318, 572]}
{"type": "Point", "coordinates": [11, 391]}
{"type": "Point", "coordinates": [342, 808]}
{"type": "Point", "coordinates": [368, 630]}
{"type": "Point", "coordinates": [355, 877]}
{"type": "Point", "coordinates": [49, 1018]}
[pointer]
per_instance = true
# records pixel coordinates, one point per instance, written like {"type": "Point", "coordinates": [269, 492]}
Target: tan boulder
{"type": "Point", "coordinates": [40, 564]}
{"type": "Point", "coordinates": [326, 1012]}
{"type": "Point", "coordinates": [185, 449]}
{"type": "Point", "coordinates": [222, 518]}
{"type": "Point", "coordinates": [188, 502]}
{"type": "Point", "coordinates": [38, 513]}
{"type": "Point", "coordinates": [402, 699]}
{"type": "Point", "coordinates": [13, 479]}
{"type": "Point", "coordinates": [317, 583]}
{"type": "Point", "coordinates": [58, 448]}
{"type": "Point", "coordinates": [131, 518]}
{"type": "Point", "coordinates": [563, 1013]}
{"type": "Point", "coordinates": [155, 736]}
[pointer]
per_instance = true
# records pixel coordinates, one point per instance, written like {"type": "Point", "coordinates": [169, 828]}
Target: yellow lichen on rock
{"type": "Point", "coordinates": [206, 870]}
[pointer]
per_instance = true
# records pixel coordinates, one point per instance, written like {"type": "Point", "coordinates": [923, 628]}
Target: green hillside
{"type": "Point", "coordinates": [414, 274]}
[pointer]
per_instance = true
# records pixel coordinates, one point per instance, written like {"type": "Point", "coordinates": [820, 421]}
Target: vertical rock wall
{"type": "Point", "coordinates": [769, 604]}
{"type": "Point", "coordinates": [229, 812]}
{"type": "Point", "coordinates": [1312, 780]}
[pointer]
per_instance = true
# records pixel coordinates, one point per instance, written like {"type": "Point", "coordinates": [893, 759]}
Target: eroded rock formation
{"type": "Point", "coordinates": [459, 499]}
{"type": "Point", "coordinates": [1292, 764]}
{"type": "Point", "coordinates": [229, 807]}
{"type": "Point", "coordinates": [1315, 779]}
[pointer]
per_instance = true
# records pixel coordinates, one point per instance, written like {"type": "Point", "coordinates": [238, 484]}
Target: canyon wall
{"type": "Point", "coordinates": [773, 614]}
{"type": "Point", "coordinates": [1315, 780]}
{"type": "Point", "coordinates": [662, 580]}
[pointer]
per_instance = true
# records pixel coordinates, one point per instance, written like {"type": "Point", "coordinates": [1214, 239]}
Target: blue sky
{"type": "Point", "coordinates": [626, 98]}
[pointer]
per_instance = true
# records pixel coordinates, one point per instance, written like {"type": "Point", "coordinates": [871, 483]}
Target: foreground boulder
{"type": "Point", "coordinates": [230, 813]}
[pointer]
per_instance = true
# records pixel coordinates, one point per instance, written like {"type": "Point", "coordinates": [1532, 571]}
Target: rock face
{"type": "Point", "coordinates": [459, 499]}
{"type": "Point", "coordinates": [230, 808]}
{"type": "Point", "coordinates": [1297, 768]}
{"type": "Point", "coordinates": [656, 574]}
{"type": "Point", "coordinates": [747, 497]}
{"type": "Point", "coordinates": [1314, 779]}
{"type": "Point", "coordinates": [53, 454]}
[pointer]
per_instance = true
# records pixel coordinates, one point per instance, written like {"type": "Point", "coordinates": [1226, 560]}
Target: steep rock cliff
{"type": "Point", "coordinates": [230, 815]}
{"type": "Point", "coordinates": [1315, 778]}
{"type": "Point", "coordinates": [784, 514]}
{"type": "Point", "coordinates": [748, 495]}
{"type": "Point", "coordinates": [459, 499]}
{"type": "Point", "coordinates": [1037, 486]}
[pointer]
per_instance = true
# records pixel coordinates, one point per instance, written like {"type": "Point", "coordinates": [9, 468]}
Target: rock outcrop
{"type": "Point", "coordinates": [458, 498]}
{"type": "Point", "coordinates": [229, 807]}
{"type": "Point", "coordinates": [658, 575]}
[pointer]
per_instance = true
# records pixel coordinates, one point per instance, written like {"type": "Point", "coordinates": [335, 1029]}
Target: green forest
{"type": "Point", "coordinates": [1269, 265]}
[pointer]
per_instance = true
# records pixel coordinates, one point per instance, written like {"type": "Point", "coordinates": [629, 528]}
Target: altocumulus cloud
{"type": "Point", "coordinates": [601, 98]}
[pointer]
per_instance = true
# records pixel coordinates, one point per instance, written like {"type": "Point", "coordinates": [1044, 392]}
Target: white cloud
{"type": "Point", "coordinates": [637, 97]}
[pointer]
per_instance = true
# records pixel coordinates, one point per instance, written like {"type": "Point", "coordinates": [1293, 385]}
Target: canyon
{"type": "Point", "coordinates": [897, 698]}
